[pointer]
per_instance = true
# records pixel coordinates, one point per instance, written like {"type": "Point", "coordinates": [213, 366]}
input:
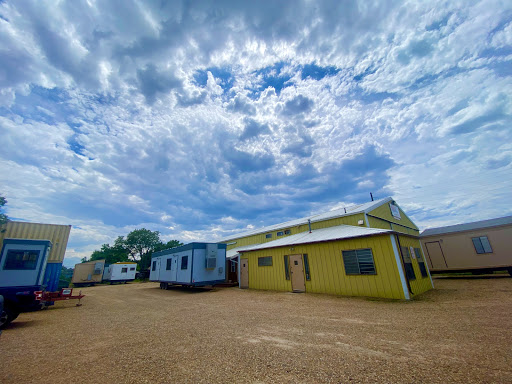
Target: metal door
{"type": "Point", "coordinates": [174, 269]}
{"type": "Point", "coordinates": [297, 273]}
{"type": "Point", "coordinates": [156, 268]}
{"type": "Point", "coordinates": [436, 256]}
{"type": "Point", "coordinates": [244, 273]}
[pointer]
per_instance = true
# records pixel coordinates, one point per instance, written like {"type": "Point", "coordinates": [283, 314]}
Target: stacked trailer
{"type": "Point", "coordinates": [121, 272]}
{"type": "Point", "coordinates": [194, 265]}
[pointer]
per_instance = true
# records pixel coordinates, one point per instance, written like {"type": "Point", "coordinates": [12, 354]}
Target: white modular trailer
{"type": "Point", "coordinates": [120, 272]}
{"type": "Point", "coordinates": [23, 262]}
{"type": "Point", "coordinates": [194, 264]}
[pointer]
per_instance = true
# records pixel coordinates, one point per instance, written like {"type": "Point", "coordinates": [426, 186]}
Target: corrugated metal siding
{"type": "Point", "coordinates": [376, 222]}
{"type": "Point", "coordinates": [421, 284]}
{"type": "Point", "coordinates": [52, 276]}
{"type": "Point", "coordinates": [327, 269]}
{"type": "Point", "coordinates": [384, 212]}
{"type": "Point", "coordinates": [57, 234]}
{"type": "Point", "coordinates": [347, 220]}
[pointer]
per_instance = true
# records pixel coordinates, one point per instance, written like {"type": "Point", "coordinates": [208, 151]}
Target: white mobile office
{"type": "Point", "coordinates": [120, 272]}
{"type": "Point", "coordinates": [194, 264]}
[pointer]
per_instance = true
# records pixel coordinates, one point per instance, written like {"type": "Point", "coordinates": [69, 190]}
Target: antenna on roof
{"type": "Point", "coordinates": [371, 196]}
{"type": "Point", "coordinates": [309, 223]}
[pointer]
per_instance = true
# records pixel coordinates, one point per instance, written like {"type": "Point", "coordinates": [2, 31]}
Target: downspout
{"type": "Point", "coordinates": [403, 264]}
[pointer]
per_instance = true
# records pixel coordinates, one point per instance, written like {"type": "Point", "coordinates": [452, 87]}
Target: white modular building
{"type": "Point", "coordinates": [194, 264]}
{"type": "Point", "coordinates": [120, 272]}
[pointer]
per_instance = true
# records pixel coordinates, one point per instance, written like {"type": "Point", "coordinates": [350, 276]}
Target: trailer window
{"type": "Point", "coordinates": [169, 264]}
{"type": "Point", "coordinates": [132, 269]}
{"type": "Point", "coordinates": [265, 261]}
{"type": "Point", "coordinates": [154, 266]}
{"type": "Point", "coordinates": [359, 262]}
{"type": "Point", "coordinates": [233, 266]}
{"type": "Point", "coordinates": [21, 259]}
{"type": "Point", "coordinates": [184, 262]}
{"type": "Point", "coordinates": [287, 232]}
{"type": "Point", "coordinates": [409, 270]}
{"type": "Point", "coordinates": [268, 236]}
{"type": "Point", "coordinates": [482, 244]}
{"type": "Point", "coordinates": [124, 270]}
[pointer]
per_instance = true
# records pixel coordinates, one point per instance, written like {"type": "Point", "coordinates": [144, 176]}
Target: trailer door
{"type": "Point", "coordinates": [174, 268]}
{"type": "Point", "coordinates": [155, 269]}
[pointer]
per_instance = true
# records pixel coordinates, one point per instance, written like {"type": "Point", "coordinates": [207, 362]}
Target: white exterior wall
{"type": "Point", "coordinates": [116, 272]}
{"type": "Point", "coordinates": [154, 273]}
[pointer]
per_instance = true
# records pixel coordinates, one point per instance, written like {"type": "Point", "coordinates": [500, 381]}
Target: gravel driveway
{"type": "Point", "coordinates": [136, 333]}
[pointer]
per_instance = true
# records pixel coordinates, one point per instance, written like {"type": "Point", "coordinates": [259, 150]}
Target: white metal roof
{"type": "Point", "coordinates": [318, 235]}
{"type": "Point", "coordinates": [467, 226]}
{"type": "Point", "coordinates": [339, 212]}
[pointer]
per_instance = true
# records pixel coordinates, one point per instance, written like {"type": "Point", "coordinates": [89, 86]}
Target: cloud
{"type": "Point", "coordinates": [252, 128]}
{"type": "Point", "coordinates": [205, 119]}
{"type": "Point", "coordinates": [152, 82]}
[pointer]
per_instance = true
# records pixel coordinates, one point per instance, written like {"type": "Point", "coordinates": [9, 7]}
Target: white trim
{"type": "Point", "coordinates": [426, 265]}
{"type": "Point", "coordinates": [366, 220]}
{"type": "Point", "coordinates": [400, 269]}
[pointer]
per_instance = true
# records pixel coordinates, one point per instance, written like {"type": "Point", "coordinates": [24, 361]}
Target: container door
{"type": "Point", "coordinates": [297, 273]}
{"type": "Point", "coordinates": [436, 256]}
{"type": "Point", "coordinates": [244, 273]}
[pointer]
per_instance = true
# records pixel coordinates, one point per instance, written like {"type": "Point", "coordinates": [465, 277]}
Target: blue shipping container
{"type": "Point", "coordinates": [52, 276]}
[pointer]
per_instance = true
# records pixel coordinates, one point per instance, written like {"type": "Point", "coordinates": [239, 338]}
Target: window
{"type": "Point", "coordinates": [168, 267]}
{"type": "Point", "coordinates": [233, 266]}
{"type": "Point", "coordinates": [287, 232]}
{"type": "Point", "coordinates": [124, 270]}
{"type": "Point", "coordinates": [265, 261]}
{"type": "Point", "coordinates": [18, 259]}
{"type": "Point", "coordinates": [359, 262]}
{"type": "Point", "coordinates": [268, 236]}
{"type": "Point", "coordinates": [395, 211]}
{"type": "Point", "coordinates": [482, 244]}
{"type": "Point", "coordinates": [132, 269]}
{"type": "Point", "coordinates": [306, 267]}
{"type": "Point", "coordinates": [184, 262]}
{"type": "Point", "coordinates": [409, 270]}
{"type": "Point", "coordinates": [287, 267]}
{"type": "Point", "coordinates": [154, 266]}
{"type": "Point", "coordinates": [280, 233]}
{"type": "Point", "coordinates": [421, 262]}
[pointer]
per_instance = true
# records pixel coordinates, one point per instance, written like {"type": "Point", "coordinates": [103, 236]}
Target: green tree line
{"type": "Point", "coordinates": [138, 246]}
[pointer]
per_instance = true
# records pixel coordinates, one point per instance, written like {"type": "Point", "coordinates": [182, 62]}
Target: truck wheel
{"type": "Point", "coordinates": [8, 315]}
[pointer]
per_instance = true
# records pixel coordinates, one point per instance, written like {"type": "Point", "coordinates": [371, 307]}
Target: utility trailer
{"type": "Point", "coordinates": [22, 268]}
{"type": "Point", "coordinates": [121, 272]}
{"type": "Point", "coordinates": [193, 265]}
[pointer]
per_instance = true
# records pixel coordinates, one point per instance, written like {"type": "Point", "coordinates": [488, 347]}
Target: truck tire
{"type": "Point", "coordinates": [7, 316]}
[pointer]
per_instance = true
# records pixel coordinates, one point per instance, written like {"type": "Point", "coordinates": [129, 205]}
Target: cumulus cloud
{"type": "Point", "coordinates": [203, 120]}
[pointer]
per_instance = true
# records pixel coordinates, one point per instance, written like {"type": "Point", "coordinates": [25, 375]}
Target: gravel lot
{"type": "Point", "coordinates": [137, 333]}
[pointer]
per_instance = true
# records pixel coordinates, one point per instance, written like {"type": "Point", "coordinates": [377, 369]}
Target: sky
{"type": "Point", "coordinates": [202, 119]}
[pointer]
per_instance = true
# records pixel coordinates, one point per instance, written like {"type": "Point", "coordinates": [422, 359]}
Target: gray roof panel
{"type": "Point", "coordinates": [467, 226]}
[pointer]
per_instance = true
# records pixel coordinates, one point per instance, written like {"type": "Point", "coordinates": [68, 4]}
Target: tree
{"type": "Point", "coordinates": [112, 254]}
{"type": "Point", "coordinates": [3, 217]}
{"type": "Point", "coordinates": [140, 244]}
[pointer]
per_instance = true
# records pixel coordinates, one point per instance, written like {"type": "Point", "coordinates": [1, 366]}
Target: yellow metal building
{"type": "Point", "coordinates": [58, 236]}
{"type": "Point", "coordinates": [384, 213]}
{"type": "Point", "coordinates": [340, 260]}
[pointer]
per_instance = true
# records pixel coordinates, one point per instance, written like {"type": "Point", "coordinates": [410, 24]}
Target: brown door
{"type": "Point", "coordinates": [436, 256]}
{"type": "Point", "coordinates": [297, 273]}
{"type": "Point", "coordinates": [244, 273]}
